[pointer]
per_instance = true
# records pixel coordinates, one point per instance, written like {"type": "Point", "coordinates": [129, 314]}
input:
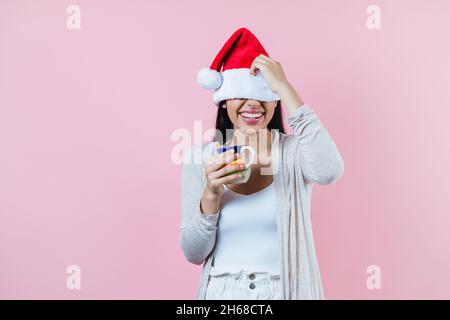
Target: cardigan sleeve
{"type": "Point", "coordinates": [320, 160]}
{"type": "Point", "coordinates": [197, 233]}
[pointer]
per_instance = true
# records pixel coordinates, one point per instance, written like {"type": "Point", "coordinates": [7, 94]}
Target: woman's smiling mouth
{"type": "Point", "coordinates": [251, 117]}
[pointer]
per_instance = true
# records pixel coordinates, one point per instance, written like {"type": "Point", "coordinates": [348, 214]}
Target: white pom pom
{"type": "Point", "coordinates": [209, 79]}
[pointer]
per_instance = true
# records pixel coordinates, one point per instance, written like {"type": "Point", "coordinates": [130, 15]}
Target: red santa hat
{"type": "Point", "coordinates": [234, 80]}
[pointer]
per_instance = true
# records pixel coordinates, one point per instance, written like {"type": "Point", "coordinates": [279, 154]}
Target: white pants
{"type": "Point", "coordinates": [243, 285]}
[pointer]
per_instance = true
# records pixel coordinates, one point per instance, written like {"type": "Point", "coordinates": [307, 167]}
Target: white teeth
{"type": "Point", "coordinates": [251, 115]}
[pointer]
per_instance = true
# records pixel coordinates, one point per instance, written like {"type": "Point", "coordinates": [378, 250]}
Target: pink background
{"type": "Point", "coordinates": [86, 119]}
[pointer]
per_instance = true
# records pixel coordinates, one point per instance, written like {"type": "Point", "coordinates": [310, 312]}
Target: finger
{"type": "Point", "coordinates": [267, 59]}
{"type": "Point", "coordinates": [217, 157]}
{"type": "Point", "coordinates": [257, 64]}
{"type": "Point", "coordinates": [262, 60]}
{"type": "Point", "coordinates": [227, 170]}
{"type": "Point", "coordinates": [264, 57]}
{"type": "Point", "coordinates": [253, 68]}
{"type": "Point", "coordinates": [220, 160]}
{"type": "Point", "coordinates": [229, 179]}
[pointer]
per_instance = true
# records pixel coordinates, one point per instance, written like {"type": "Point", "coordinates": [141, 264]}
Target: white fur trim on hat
{"type": "Point", "coordinates": [240, 84]}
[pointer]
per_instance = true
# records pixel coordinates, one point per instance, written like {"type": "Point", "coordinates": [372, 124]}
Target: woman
{"type": "Point", "coordinates": [255, 238]}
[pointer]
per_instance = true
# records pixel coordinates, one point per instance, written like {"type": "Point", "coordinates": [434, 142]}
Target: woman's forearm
{"type": "Point", "coordinates": [290, 98]}
{"type": "Point", "coordinates": [209, 203]}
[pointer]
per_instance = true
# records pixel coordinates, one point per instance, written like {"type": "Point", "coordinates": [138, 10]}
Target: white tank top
{"type": "Point", "coordinates": [247, 237]}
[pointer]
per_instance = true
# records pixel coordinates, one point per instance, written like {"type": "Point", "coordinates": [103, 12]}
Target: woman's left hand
{"type": "Point", "coordinates": [276, 80]}
{"type": "Point", "coordinates": [272, 72]}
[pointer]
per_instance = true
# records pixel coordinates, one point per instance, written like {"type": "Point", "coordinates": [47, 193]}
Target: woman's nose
{"type": "Point", "coordinates": [253, 102]}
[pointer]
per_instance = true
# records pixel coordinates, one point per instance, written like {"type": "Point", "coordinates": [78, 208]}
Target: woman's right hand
{"type": "Point", "coordinates": [216, 171]}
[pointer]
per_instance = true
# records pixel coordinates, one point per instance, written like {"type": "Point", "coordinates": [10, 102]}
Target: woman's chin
{"type": "Point", "coordinates": [250, 130]}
